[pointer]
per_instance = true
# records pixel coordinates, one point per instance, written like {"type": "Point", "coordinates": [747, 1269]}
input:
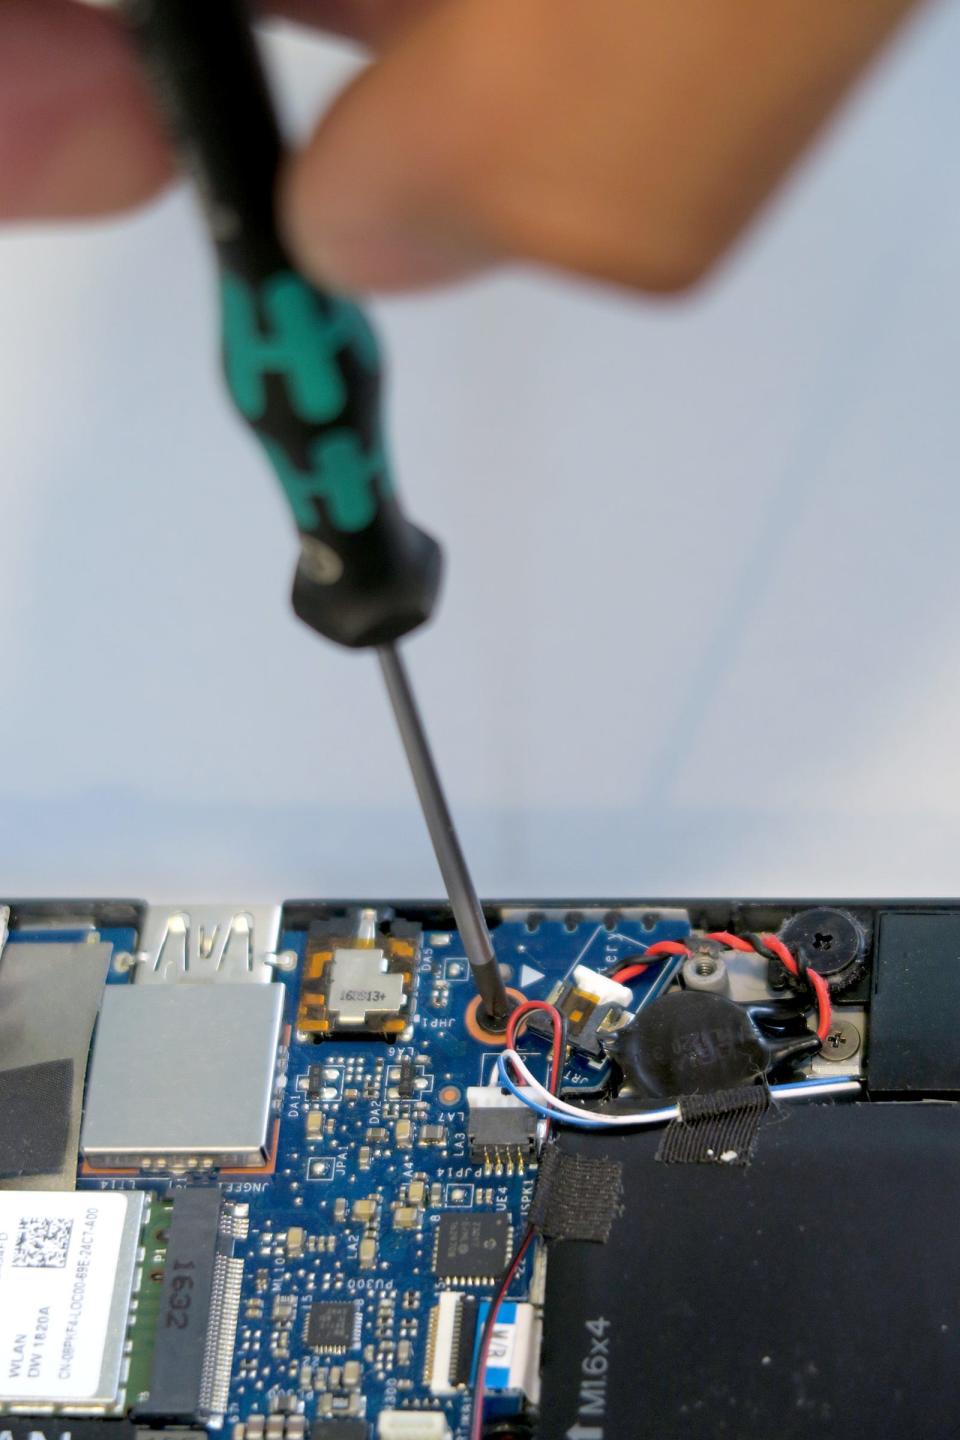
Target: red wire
{"type": "Point", "coordinates": [666, 947]}
{"type": "Point", "coordinates": [820, 987]}
{"type": "Point", "coordinates": [773, 942]}
{"type": "Point", "coordinates": [480, 1380]}
{"type": "Point", "coordinates": [557, 1057]}
{"type": "Point", "coordinates": [514, 1024]}
{"type": "Point", "coordinates": [629, 973]}
{"type": "Point", "coordinates": [732, 942]}
{"type": "Point", "coordinates": [662, 947]}
{"type": "Point", "coordinates": [521, 1013]}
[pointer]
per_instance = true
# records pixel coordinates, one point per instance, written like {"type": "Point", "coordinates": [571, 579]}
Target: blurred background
{"type": "Point", "coordinates": [703, 584]}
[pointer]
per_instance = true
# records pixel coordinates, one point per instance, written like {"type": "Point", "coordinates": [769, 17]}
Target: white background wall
{"type": "Point", "coordinates": [700, 627]}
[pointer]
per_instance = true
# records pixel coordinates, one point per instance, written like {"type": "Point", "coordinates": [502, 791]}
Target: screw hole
{"type": "Point", "coordinates": [822, 941]}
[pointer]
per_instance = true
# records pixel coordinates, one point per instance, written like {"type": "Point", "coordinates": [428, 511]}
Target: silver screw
{"type": "Point", "coordinates": [842, 1042]}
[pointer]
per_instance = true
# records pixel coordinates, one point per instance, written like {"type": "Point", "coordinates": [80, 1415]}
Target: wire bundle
{"type": "Point", "coordinates": [537, 1097]}
{"type": "Point", "coordinates": [770, 947]}
{"type": "Point", "coordinates": [557, 1057]}
{"type": "Point", "coordinates": [546, 1101]}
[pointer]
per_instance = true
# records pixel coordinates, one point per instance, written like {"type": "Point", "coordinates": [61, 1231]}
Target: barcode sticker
{"type": "Point", "coordinates": [59, 1254]}
{"type": "Point", "coordinates": [43, 1242]}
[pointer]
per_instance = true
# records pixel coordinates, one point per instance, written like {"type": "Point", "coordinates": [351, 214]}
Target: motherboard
{"type": "Point", "coordinates": [265, 1171]}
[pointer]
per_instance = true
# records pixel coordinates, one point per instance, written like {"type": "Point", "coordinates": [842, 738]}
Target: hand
{"type": "Point", "coordinates": [626, 139]}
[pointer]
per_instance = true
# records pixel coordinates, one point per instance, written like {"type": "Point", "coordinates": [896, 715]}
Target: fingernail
{"type": "Point", "coordinates": [379, 255]}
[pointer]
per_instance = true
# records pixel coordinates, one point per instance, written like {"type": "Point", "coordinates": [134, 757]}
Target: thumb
{"type": "Point", "coordinates": [625, 139]}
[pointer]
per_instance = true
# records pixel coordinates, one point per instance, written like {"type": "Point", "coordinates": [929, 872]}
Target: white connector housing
{"type": "Point", "coordinates": [412, 1425]}
{"type": "Point", "coordinates": [601, 988]}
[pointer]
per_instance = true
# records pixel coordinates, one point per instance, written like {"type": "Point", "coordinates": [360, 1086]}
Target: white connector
{"type": "Point", "coordinates": [601, 988]}
{"type": "Point", "coordinates": [412, 1425]}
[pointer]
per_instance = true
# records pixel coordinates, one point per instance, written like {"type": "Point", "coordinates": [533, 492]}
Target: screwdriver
{"type": "Point", "coordinates": [303, 369]}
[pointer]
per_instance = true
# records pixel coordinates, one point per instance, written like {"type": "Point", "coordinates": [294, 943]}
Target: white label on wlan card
{"type": "Point", "coordinates": [58, 1264]}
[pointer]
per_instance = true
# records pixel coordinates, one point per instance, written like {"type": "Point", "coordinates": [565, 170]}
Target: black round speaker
{"type": "Point", "coordinates": [830, 941]}
{"type": "Point", "coordinates": [692, 1042]}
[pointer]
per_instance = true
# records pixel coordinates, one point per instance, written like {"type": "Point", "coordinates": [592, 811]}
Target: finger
{"type": "Point", "coordinates": [626, 139]}
{"type": "Point", "coordinates": [375, 22]}
{"type": "Point", "coordinates": [77, 135]}
{"type": "Point", "coordinates": [78, 132]}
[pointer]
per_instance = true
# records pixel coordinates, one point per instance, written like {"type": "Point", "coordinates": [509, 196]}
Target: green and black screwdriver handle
{"type": "Point", "coordinates": [303, 368]}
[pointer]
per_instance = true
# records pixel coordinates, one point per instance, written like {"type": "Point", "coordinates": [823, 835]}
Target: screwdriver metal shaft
{"type": "Point", "coordinates": [466, 907]}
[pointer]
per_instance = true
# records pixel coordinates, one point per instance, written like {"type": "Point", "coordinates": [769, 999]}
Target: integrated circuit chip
{"type": "Point", "coordinates": [331, 1326]}
{"type": "Point", "coordinates": [338, 1429]}
{"type": "Point", "coordinates": [472, 1246]}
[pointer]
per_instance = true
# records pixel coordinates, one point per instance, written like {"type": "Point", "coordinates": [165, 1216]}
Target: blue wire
{"type": "Point", "coordinates": [793, 1087]}
{"type": "Point", "coordinates": [585, 1124]}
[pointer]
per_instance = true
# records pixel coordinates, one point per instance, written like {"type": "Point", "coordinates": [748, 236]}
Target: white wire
{"type": "Point", "coordinates": [561, 1107]}
{"type": "Point", "coordinates": [793, 1090]}
{"type": "Point", "coordinates": [817, 1084]}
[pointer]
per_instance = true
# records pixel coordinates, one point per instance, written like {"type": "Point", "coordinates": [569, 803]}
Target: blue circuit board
{"type": "Point", "coordinates": [307, 1240]}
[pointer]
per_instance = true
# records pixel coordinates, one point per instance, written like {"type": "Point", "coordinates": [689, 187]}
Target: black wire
{"type": "Point", "coordinates": [557, 1080]}
{"type": "Point", "coordinates": [758, 943]}
{"type": "Point", "coordinates": [486, 1335]}
{"type": "Point", "coordinates": [624, 960]}
{"type": "Point", "coordinates": [476, 1414]}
